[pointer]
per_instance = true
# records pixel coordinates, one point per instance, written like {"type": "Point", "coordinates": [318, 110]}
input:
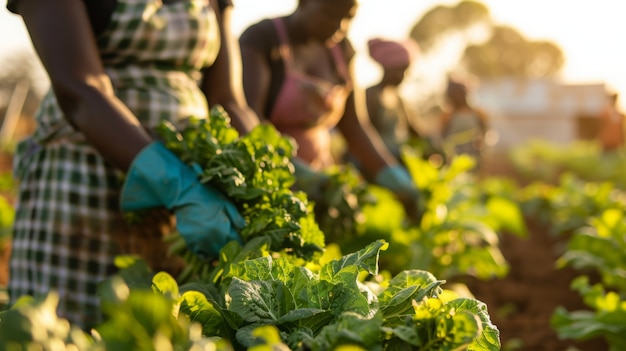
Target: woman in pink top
{"type": "Point", "coordinates": [296, 75]}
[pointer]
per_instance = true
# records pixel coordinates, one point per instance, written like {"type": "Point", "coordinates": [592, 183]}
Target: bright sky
{"type": "Point", "coordinates": [590, 32]}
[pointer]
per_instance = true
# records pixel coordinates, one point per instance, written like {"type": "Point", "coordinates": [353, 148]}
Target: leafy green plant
{"type": "Point", "coordinates": [600, 247]}
{"type": "Point", "coordinates": [606, 318]}
{"type": "Point", "coordinates": [332, 306]}
{"type": "Point", "coordinates": [541, 160]}
{"type": "Point", "coordinates": [261, 303]}
{"type": "Point", "coordinates": [458, 233]}
{"type": "Point", "coordinates": [596, 247]}
{"type": "Point", "coordinates": [569, 204]}
{"type": "Point", "coordinates": [33, 325]}
{"type": "Point", "coordinates": [339, 209]}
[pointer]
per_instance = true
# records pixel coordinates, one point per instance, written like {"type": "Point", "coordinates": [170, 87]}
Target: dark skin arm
{"type": "Point", "coordinates": [413, 129]}
{"type": "Point", "coordinates": [372, 102]}
{"type": "Point", "coordinates": [61, 35]}
{"type": "Point", "coordinates": [373, 109]}
{"type": "Point", "coordinates": [256, 80]}
{"type": "Point", "coordinates": [222, 82]}
{"type": "Point", "coordinates": [363, 140]}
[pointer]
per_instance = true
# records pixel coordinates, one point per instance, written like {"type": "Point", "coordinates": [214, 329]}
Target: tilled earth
{"type": "Point", "coordinates": [522, 304]}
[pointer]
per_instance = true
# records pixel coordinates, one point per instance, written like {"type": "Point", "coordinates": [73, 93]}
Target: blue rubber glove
{"type": "Point", "coordinates": [205, 218]}
{"type": "Point", "coordinates": [308, 180]}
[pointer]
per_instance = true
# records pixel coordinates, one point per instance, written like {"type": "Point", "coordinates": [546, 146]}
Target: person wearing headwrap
{"type": "Point", "coordinates": [385, 105]}
{"type": "Point", "coordinates": [392, 54]}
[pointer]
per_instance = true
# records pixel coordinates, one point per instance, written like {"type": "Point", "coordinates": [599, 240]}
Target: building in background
{"type": "Point", "coordinates": [524, 110]}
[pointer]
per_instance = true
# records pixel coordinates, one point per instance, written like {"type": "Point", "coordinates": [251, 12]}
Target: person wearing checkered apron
{"type": "Point", "coordinates": [142, 61]}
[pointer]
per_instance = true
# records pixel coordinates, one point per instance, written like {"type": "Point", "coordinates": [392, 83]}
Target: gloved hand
{"type": "Point", "coordinates": [310, 181]}
{"type": "Point", "coordinates": [398, 180]}
{"type": "Point", "coordinates": [204, 217]}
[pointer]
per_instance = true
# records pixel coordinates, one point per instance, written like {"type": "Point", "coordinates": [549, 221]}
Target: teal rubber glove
{"type": "Point", "coordinates": [310, 181]}
{"type": "Point", "coordinates": [398, 180]}
{"type": "Point", "coordinates": [205, 218]}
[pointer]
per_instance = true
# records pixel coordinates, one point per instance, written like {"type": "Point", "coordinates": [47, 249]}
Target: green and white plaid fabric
{"type": "Point", "coordinates": [68, 227]}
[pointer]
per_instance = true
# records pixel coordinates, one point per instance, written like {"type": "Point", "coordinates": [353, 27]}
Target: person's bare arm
{"type": "Point", "coordinates": [409, 118]}
{"type": "Point", "coordinates": [256, 80]}
{"type": "Point", "coordinates": [363, 140]}
{"type": "Point", "coordinates": [61, 34]}
{"type": "Point", "coordinates": [222, 82]}
{"type": "Point", "coordinates": [372, 104]}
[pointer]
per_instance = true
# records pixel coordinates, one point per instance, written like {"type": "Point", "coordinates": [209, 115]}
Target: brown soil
{"type": "Point", "coordinates": [522, 303]}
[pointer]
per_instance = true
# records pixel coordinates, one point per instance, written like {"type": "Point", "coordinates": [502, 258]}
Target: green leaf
{"type": "Point", "coordinates": [489, 338]}
{"type": "Point", "coordinates": [408, 279]}
{"type": "Point", "coordinates": [311, 318]}
{"type": "Point", "coordinates": [508, 215]}
{"type": "Point", "coordinates": [195, 305]}
{"type": "Point", "coordinates": [350, 329]}
{"type": "Point", "coordinates": [260, 301]}
{"type": "Point", "coordinates": [140, 322]}
{"type": "Point", "coordinates": [365, 259]}
{"type": "Point", "coordinates": [339, 297]}
{"type": "Point", "coordinates": [466, 327]}
{"type": "Point", "coordinates": [165, 284]}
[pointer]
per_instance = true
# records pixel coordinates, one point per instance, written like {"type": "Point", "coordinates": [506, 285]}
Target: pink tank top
{"type": "Point", "coordinates": [307, 107]}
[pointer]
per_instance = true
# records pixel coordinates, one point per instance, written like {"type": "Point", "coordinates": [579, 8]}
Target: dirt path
{"type": "Point", "coordinates": [522, 303]}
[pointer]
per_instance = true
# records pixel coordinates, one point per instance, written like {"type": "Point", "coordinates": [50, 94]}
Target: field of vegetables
{"type": "Point", "coordinates": [516, 260]}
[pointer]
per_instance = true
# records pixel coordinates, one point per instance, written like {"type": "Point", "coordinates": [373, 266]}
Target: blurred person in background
{"type": "Point", "coordinates": [297, 76]}
{"type": "Point", "coordinates": [118, 68]}
{"type": "Point", "coordinates": [611, 134]}
{"type": "Point", "coordinates": [385, 106]}
{"type": "Point", "coordinates": [462, 126]}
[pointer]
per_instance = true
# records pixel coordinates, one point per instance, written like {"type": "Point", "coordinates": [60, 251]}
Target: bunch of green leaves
{"type": "Point", "coordinates": [336, 307]}
{"type": "Point", "coordinates": [255, 172]}
{"type": "Point", "coordinates": [339, 209]}
{"type": "Point", "coordinates": [264, 304]}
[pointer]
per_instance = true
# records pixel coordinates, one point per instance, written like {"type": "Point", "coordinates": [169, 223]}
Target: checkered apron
{"type": "Point", "coordinates": [68, 226]}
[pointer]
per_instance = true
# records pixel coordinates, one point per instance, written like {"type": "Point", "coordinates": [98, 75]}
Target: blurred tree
{"type": "Point", "coordinates": [441, 21]}
{"type": "Point", "coordinates": [508, 53]}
